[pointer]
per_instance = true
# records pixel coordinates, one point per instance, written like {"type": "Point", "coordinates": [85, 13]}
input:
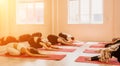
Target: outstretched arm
{"type": "Point", "coordinates": [61, 40]}
{"type": "Point", "coordinates": [46, 46]}
{"type": "Point", "coordinates": [50, 45]}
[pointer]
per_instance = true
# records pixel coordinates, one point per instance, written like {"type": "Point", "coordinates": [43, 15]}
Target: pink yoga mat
{"type": "Point", "coordinates": [97, 46]}
{"type": "Point", "coordinates": [103, 42]}
{"type": "Point", "coordinates": [59, 50]}
{"type": "Point", "coordinates": [90, 51]}
{"type": "Point", "coordinates": [112, 61]}
{"type": "Point", "coordinates": [75, 45]}
{"type": "Point", "coordinates": [50, 57]}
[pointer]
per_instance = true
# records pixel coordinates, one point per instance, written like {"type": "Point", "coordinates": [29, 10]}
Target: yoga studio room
{"type": "Point", "coordinates": [59, 33]}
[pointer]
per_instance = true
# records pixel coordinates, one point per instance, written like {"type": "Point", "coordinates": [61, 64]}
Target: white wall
{"type": "Point", "coordinates": [56, 21]}
{"type": "Point", "coordinates": [88, 32]}
{"type": "Point", "coordinates": [18, 29]}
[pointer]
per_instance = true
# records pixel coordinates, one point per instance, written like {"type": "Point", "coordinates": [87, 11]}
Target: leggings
{"type": "Point", "coordinates": [95, 58]}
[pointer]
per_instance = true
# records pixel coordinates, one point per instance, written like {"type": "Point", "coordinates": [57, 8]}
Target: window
{"type": "Point", "coordinates": [85, 11]}
{"type": "Point", "coordinates": [29, 12]}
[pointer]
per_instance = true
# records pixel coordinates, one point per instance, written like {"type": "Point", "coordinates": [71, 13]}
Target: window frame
{"type": "Point", "coordinates": [99, 17]}
{"type": "Point", "coordinates": [34, 2]}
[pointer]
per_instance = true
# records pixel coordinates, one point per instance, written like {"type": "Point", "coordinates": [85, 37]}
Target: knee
{"type": "Point", "coordinates": [12, 51]}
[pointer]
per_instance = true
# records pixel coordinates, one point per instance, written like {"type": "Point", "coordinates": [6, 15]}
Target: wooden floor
{"type": "Point", "coordinates": [69, 60]}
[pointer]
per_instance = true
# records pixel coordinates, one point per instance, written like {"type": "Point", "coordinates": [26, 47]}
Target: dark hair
{"type": "Point", "coordinates": [63, 36]}
{"type": "Point", "coordinates": [34, 51]}
{"type": "Point", "coordinates": [73, 38]}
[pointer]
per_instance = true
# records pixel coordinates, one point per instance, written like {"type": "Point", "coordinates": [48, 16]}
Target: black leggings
{"type": "Point", "coordinates": [116, 54]}
{"type": "Point", "coordinates": [95, 58]}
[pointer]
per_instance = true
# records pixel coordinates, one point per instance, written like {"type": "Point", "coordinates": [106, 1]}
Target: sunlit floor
{"type": "Point", "coordinates": [69, 60]}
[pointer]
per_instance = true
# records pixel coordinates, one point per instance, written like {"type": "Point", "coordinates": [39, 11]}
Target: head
{"type": "Point", "coordinates": [63, 36]}
{"type": "Point", "coordinates": [66, 36]}
{"type": "Point", "coordinates": [73, 38]}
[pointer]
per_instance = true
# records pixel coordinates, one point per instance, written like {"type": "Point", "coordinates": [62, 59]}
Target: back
{"type": "Point", "coordinates": [52, 39]}
{"type": "Point", "coordinates": [24, 37]}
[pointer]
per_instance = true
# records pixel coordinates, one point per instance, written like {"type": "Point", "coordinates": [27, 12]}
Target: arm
{"type": "Point", "coordinates": [46, 47]}
{"type": "Point", "coordinates": [52, 46]}
{"type": "Point", "coordinates": [61, 40]}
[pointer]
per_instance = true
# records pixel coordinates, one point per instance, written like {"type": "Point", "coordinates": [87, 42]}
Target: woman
{"type": "Point", "coordinates": [37, 42]}
{"type": "Point", "coordinates": [16, 49]}
{"type": "Point", "coordinates": [107, 53]}
{"type": "Point", "coordinates": [53, 39]}
{"type": "Point", "coordinates": [67, 37]}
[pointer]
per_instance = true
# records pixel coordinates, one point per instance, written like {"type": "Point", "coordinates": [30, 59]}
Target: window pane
{"type": "Point", "coordinates": [29, 12]}
{"type": "Point", "coordinates": [97, 11]}
{"type": "Point", "coordinates": [73, 12]}
{"type": "Point", "coordinates": [21, 13]}
{"type": "Point", "coordinates": [39, 12]}
{"type": "Point", "coordinates": [85, 11]}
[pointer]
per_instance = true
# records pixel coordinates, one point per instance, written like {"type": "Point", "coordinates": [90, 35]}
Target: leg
{"type": "Point", "coordinates": [95, 58]}
{"type": "Point", "coordinates": [13, 51]}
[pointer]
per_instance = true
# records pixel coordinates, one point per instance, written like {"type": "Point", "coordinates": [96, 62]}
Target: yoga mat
{"type": "Point", "coordinates": [112, 61]}
{"type": "Point", "coordinates": [90, 51]}
{"type": "Point", "coordinates": [59, 50]}
{"type": "Point", "coordinates": [75, 45]}
{"type": "Point", "coordinates": [49, 57]}
{"type": "Point", "coordinates": [103, 42]}
{"type": "Point", "coordinates": [97, 46]}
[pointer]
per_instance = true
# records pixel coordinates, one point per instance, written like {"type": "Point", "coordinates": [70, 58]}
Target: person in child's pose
{"type": "Point", "coordinates": [107, 53]}
{"type": "Point", "coordinates": [61, 39]}
{"type": "Point", "coordinates": [67, 37]}
{"type": "Point", "coordinates": [17, 49]}
{"type": "Point", "coordinates": [36, 41]}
